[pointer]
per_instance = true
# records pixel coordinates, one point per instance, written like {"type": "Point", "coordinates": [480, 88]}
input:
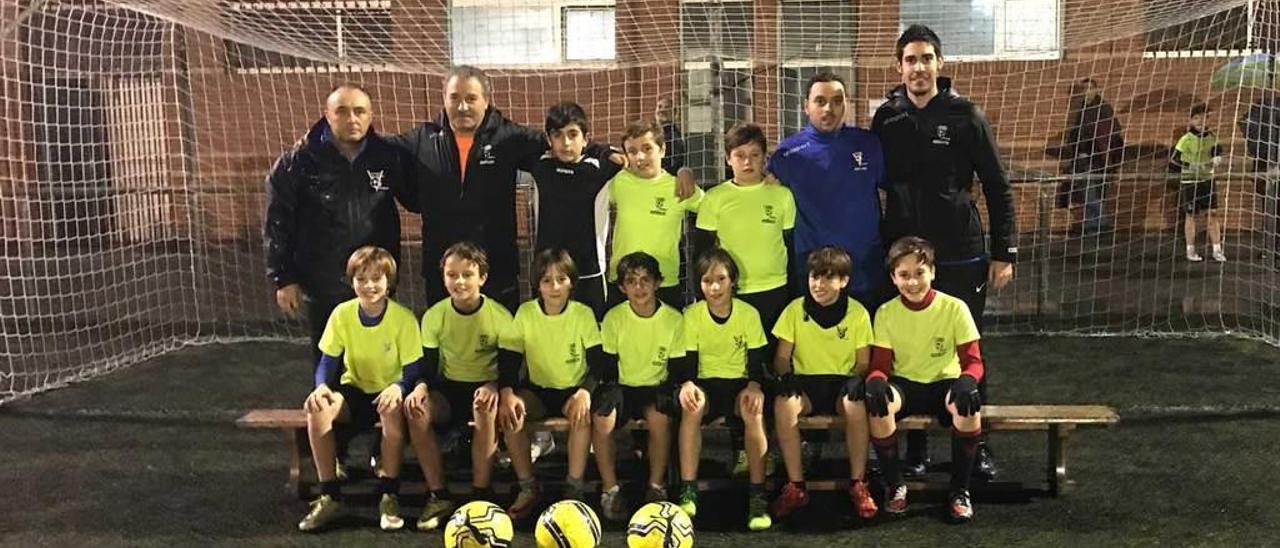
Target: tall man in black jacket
{"type": "Point", "coordinates": [934, 141]}
{"type": "Point", "coordinates": [330, 194]}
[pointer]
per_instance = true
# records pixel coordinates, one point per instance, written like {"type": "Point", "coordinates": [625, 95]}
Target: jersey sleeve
{"type": "Point", "coordinates": [432, 322]}
{"type": "Point", "coordinates": [882, 336]}
{"type": "Point", "coordinates": [512, 337]}
{"type": "Point", "coordinates": [678, 348]}
{"type": "Point", "coordinates": [966, 330]}
{"type": "Point", "coordinates": [788, 210]}
{"type": "Point", "coordinates": [755, 331]}
{"type": "Point", "coordinates": [331, 342]}
{"type": "Point", "coordinates": [609, 332]}
{"type": "Point", "coordinates": [785, 329]}
{"type": "Point", "coordinates": [709, 212]}
{"type": "Point", "coordinates": [862, 334]}
{"type": "Point", "coordinates": [690, 331]}
{"type": "Point", "coordinates": [1184, 143]}
{"type": "Point", "coordinates": [694, 202]}
{"type": "Point", "coordinates": [588, 327]}
{"type": "Point", "coordinates": [409, 341]}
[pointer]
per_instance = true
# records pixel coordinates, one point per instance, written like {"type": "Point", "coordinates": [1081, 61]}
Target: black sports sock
{"type": "Point", "coordinates": [331, 488]}
{"type": "Point", "coordinates": [887, 449]}
{"type": "Point", "coordinates": [964, 449]}
{"type": "Point", "coordinates": [389, 486]}
{"type": "Point", "coordinates": [917, 446]}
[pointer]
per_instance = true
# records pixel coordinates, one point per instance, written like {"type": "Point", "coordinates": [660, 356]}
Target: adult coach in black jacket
{"type": "Point", "coordinates": [330, 194]}
{"type": "Point", "coordinates": [466, 182]}
{"type": "Point", "coordinates": [934, 141]}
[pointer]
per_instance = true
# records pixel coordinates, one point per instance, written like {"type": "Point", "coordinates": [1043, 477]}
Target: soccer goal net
{"type": "Point", "coordinates": [137, 135]}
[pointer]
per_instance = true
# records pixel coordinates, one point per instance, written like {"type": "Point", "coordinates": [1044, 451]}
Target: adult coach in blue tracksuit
{"type": "Point", "coordinates": [934, 141]}
{"type": "Point", "coordinates": [834, 172]}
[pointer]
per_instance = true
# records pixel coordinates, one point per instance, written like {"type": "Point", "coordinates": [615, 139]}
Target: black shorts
{"type": "Point", "coordinates": [1197, 197]}
{"type": "Point", "coordinates": [632, 401]}
{"type": "Point", "coordinates": [721, 399]}
{"type": "Point", "coordinates": [824, 392]}
{"type": "Point", "coordinates": [364, 413]}
{"type": "Point", "coordinates": [460, 396]}
{"type": "Point", "coordinates": [541, 403]}
{"type": "Point", "coordinates": [923, 399]}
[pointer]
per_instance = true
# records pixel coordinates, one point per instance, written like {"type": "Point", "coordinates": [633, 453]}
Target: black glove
{"type": "Point", "coordinates": [964, 393]}
{"type": "Point", "coordinates": [878, 396]}
{"type": "Point", "coordinates": [606, 399]}
{"type": "Point", "coordinates": [788, 385]}
{"type": "Point", "coordinates": [855, 388]}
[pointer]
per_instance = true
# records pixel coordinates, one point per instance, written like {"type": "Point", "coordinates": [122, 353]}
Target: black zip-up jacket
{"type": "Point", "coordinates": [322, 207]}
{"type": "Point", "coordinates": [931, 155]}
{"type": "Point", "coordinates": [480, 208]}
{"type": "Point", "coordinates": [570, 205]}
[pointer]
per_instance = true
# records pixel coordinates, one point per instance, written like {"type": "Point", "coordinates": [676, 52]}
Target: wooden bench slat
{"type": "Point", "coordinates": [273, 418]}
{"type": "Point", "coordinates": [998, 417]}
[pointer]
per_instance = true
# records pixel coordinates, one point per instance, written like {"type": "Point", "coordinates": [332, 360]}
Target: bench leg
{"type": "Point", "coordinates": [300, 455]}
{"type": "Point", "coordinates": [1056, 470]}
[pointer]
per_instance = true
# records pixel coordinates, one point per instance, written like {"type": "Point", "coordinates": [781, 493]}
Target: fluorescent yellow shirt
{"type": "Point", "coordinates": [554, 347]}
{"type": "Point", "coordinates": [373, 357]}
{"type": "Point", "coordinates": [749, 221]}
{"type": "Point", "coordinates": [468, 343]}
{"type": "Point", "coordinates": [643, 345]}
{"type": "Point", "coordinates": [819, 351]}
{"type": "Point", "coordinates": [722, 348]}
{"type": "Point", "coordinates": [650, 219]}
{"type": "Point", "coordinates": [924, 341]}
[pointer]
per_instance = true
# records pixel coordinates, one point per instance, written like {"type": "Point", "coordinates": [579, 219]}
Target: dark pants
{"type": "Point", "coordinates": [318, 310]}
{"type": "Point", "coordinates": [968, 282]}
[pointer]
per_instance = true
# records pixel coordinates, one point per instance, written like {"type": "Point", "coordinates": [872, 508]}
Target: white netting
{"type": "Point", "coordinates": [137, 135]}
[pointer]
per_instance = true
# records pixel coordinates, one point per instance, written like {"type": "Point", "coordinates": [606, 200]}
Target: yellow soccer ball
{"type": "Point", "coordinates": [568, 524]}
{"type": "Point", "coordinates": [479, 524]}
{"type": "Point", "coordinates": [660, 525]}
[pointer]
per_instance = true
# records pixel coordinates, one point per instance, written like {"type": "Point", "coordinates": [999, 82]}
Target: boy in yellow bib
{"type": "Point", "coordinates": [726, 344]}
{"type": "Point", "coordinates": [925, 360]}
{"type": "Point", "coordinates": [559, 341]}
{"type": "Point", "coordinates": [459, 376]}
{"type": "Point", "coordinates": [372, 342]}
{"type": "Point", "coordinates": [824, 347]}
{"type": "Point", "coordinates": [641, 338]}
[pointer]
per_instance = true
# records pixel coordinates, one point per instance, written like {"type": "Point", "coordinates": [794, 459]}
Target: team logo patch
{"type": "Point", "coordinates": [574, 355]}
{"type": "Point", "coordinates": [770, 217]}
{"type": "Point", "coordinates": [375, 179]}
{"type": "Point", "coordinates": [943, 136]}
{"type": "Point", "coordinates": [486, 156]}
{"type": "Point", "coordinates": [659, 206]}
{"type": "Point", "coordinates": [859, 164]}
{"type": "Point", "coordinates": [740, 342]}
{"type": "Point", "coordinates": [484, 343]}
{"type": "Point", "coordinates": [842, 332]}
{"type": "Point", "coordinates": [939, 348]}
{"type": "Point", "coordinates": [386, 348]}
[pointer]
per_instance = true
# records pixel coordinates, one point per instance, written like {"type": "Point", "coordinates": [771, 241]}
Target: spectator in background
{"type": "Point", "coordinates": [1092, 147]}
{"type": "Point", "coordinates": [1260, 126]}
{"type": "Point", "coordinates": [671, 136]}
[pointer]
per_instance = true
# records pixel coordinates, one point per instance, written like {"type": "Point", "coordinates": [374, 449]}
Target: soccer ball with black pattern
{"type": "Point", "coordinates": [568, 524]}
{"type": "Point", "coordinates": [479, 524]}
{"type": "Point", "coordinates": [660, 525]}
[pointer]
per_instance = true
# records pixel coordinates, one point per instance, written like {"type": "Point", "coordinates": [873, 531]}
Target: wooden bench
{"type": "Point", "coordinates": [1058, 421]}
